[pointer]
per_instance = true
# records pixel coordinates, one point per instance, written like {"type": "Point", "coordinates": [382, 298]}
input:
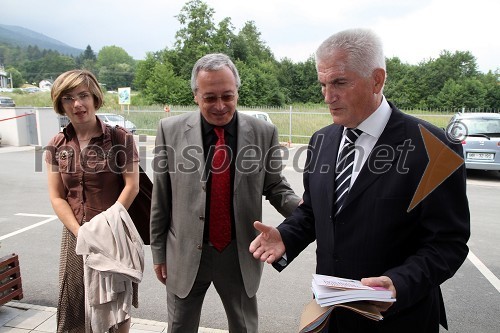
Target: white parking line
{"type": "Point", "coordinates": [50, 218]}
{"type": "Point", "coordinates": [484, 270]}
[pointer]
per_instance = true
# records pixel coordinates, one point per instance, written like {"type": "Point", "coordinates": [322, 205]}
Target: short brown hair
{"type": "Point", "coordinates": [68, 81]}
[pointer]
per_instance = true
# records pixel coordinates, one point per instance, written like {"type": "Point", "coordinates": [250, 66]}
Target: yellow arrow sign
{"type": "Point", "coordinates": [443, 161]}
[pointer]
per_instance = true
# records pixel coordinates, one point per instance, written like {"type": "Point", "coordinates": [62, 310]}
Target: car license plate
{"type": "Point", "coordinates": [481, 156]}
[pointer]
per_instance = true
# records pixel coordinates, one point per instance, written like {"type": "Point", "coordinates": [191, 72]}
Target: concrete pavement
{"type": "Point", "coordinates": [17, 317]}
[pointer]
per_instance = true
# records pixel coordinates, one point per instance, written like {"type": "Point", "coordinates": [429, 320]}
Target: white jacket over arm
{"type": "Point", "coordinates": [113, 257]}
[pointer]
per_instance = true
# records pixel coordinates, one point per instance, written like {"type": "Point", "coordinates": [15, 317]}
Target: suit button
{"type": "Point", "coordinates": [199, 247]}
{"type": "Point", "coordinates": [204, 188]}
{"type": "Point", "coordinates": [202, 218]}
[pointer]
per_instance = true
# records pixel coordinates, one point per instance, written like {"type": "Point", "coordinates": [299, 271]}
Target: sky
{"type": "Point", "coordinates": [412, 30]}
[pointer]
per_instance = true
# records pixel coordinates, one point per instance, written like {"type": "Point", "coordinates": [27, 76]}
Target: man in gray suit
{"type": "Point", "coordinates": [188, 216]}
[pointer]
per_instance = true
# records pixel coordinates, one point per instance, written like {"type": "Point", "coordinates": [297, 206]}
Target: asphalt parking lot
{"type": "Point", "coordinates": [29, 228]}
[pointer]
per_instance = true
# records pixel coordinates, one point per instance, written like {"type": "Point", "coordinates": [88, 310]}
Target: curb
{"type": "Point", "coordinates": [146, 322]}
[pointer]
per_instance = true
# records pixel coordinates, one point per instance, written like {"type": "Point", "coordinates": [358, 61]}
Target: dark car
{"type": "Point", "coordinates": [480, 137]}
{"type": "Point", "coordinates": [7, 102]}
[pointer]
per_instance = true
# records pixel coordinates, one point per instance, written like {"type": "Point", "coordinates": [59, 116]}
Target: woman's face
{"type": "Point", "coordinates": [79, 105]}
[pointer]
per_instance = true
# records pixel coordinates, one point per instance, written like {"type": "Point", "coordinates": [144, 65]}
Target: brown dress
{"type": "Point", "coordinates": [92, 179]}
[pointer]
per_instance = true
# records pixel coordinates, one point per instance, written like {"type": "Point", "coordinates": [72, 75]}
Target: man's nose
{"type": "Point", "coordinates": [330, 95]}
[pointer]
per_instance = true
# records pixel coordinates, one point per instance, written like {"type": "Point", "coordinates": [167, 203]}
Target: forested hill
{"type": "Point", "coordinates": [19, 36]}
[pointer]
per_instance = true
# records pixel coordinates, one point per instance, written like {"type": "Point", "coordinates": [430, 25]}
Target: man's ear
{"type": "Point", "coordinates": [196, 99]}
{"type": "Point", "coordinates": [378, 80]}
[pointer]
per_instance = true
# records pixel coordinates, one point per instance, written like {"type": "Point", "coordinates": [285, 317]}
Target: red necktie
{"type": "Point", "coordinates": [220, 208]}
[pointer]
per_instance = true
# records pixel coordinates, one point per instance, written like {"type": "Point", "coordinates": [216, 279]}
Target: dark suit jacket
{"type": "Point", "coordinates": [374, 234]}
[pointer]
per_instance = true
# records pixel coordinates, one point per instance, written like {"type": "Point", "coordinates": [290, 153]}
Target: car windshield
{"type": "Point", "coordinates": [482, 126]}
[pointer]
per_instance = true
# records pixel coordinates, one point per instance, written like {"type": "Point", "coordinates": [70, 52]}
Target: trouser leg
{"type": "Point", "coordinates": [184, 313]}
{"type": "Point", "coordinates": [241, 310]}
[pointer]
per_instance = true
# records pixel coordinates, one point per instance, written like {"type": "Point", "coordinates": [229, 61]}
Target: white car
{"type": "Point", "coordinates": [7, 102]}
{"type": "Point", "coordinates": [259, 115]}
{"type": "Point", "coordinates": [113, 119]}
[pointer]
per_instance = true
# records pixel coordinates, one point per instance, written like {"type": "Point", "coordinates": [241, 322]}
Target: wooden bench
{"type": "Point", "coordinates": [10, 279]}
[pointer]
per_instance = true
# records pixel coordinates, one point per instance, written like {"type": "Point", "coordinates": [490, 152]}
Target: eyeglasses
{"type": "Point", "coordinates": [82, 98]}
{"type": "Point", "coordinates": [211, 99]}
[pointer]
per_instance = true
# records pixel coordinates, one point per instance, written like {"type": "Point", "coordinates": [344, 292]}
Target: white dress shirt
{"type": "Point", "coordinates": [372, 128]}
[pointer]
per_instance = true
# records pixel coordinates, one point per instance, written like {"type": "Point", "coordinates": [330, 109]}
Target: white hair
{"type": "Point", "coordinates": [363, 47]}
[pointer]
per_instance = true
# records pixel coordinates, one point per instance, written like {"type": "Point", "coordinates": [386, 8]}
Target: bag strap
{"type": "Point", "coordinates": [113, 135]}
{"type": "Point", "coordinates": [114, 141]}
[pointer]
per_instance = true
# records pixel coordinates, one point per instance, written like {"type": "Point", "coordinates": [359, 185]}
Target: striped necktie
{"type": "Point", "coordinates": [344, 167]}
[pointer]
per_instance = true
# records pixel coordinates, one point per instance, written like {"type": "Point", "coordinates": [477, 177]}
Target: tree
{"type": "Point", "coordinates": [17, 78]}
{"type": "Point", "coordinates": [259, 85]}
{"type": "Point", "coordinates": [145, 69]}
{"type": "Point", "coordinates": [194, 38]}
{"type": "Point", "coordinates": [111, 55]}
{"type": "Point", "coordinates": [116, 75]}
{"type": "Point", "coordinates": [469, 93]}
{"type": "Point", "coordinates": [401, 83]}
{"type": "Point", "coordinates": [87, 60]}
{"type": "Point", "coordinates": [491, 82]}
{"type": "Point", "coordinates": [34, 52]}
{"type": "Point", "coordinates": [88, 54]}
{"type": "Point", "coordinates": [249, 47]}
{"type": "Point", "coordinates": [223, 39]}
{"type": "Point", "coordinates": [433, 74]}
{"type": "Point", "coordinates": [115, 68]}
{"type": "Point", "coordinates": [48, 67]}
{"type": "Point", "coordinates": [164, 87]}
{"type": "Point", "coordinates": [159, 84]}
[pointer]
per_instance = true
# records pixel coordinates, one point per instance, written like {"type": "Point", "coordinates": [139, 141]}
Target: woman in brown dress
{"type": "Point", "coordinates": [84, 179]}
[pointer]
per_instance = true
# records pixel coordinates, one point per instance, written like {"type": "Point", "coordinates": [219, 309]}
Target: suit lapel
{"type": "Point", "coordinates": [194, 139]}
{"type": "Point", "coordinates": [245, 137]}
{"type": "Point", "coordinates": [329, 158]}
{"type": "Point", "coordinates": [392, 136]}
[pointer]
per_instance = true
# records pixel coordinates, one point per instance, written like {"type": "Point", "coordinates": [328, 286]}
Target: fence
{"type": "Point", "coordinates": [295, 124]}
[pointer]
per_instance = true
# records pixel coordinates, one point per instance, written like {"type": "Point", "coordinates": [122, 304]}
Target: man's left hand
{"type": "Point", "coordinates": [381, 281]}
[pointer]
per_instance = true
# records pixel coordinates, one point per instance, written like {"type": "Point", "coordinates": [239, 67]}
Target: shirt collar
{"type": "Point", "coordinates": [229, 128]}
{"type": "Point", "coordinates": [374, 125]}
{"type": "Point", "coordinates": [69, 130]}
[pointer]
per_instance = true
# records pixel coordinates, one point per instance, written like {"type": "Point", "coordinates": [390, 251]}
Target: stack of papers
{"type": "Point", "coordinates": [330, 290]}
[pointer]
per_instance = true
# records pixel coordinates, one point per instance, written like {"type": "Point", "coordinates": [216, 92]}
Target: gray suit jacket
{"type": "Point", "coordinates": [179, 195]}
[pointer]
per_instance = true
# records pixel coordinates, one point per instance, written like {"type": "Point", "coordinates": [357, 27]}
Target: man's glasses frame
{"type": "Point", "coordinates": [211, 99]}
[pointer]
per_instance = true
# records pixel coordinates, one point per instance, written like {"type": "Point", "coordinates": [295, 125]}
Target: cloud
{"type": "Point", "coordinates": [414, 30]}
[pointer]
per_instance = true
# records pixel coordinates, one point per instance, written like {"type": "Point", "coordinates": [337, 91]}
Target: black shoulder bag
{"type": "Point", "coordinates": [140, 209]}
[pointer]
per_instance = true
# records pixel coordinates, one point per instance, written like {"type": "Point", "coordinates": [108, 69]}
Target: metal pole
{"type": "Point", "coordinates": [290, 129]}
